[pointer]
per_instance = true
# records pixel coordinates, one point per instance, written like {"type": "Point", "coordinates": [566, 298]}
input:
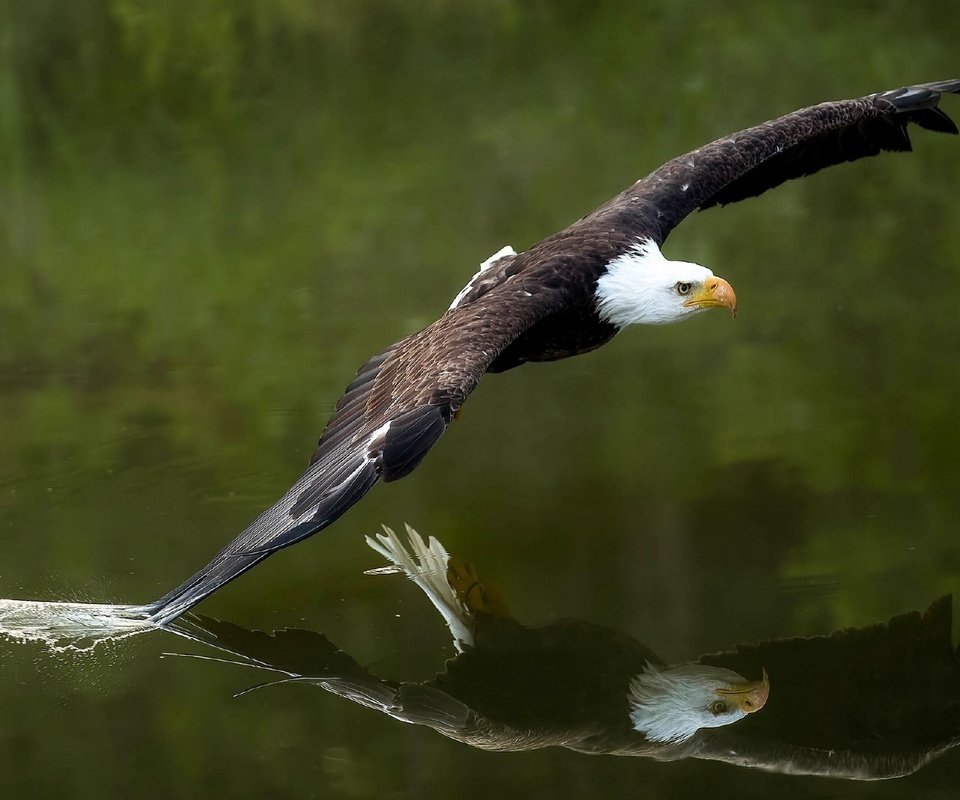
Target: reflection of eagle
{"type": "Point", "coordinates": [572, 684]}
{"type": "Point", "coordinates": [565, 295]}
{"type": "Point", "coordinates": [875, 702]}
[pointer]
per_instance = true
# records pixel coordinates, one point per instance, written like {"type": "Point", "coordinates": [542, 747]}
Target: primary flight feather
{"type": "Point", "coordinates": [565, 295]}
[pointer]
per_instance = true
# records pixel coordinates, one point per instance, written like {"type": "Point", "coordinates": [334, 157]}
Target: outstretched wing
{"type": "Point", "coordinates": [306, 656]}
{"type": "Point", "coordinates": [748, 163]}
{"type": "Point", "coordinates": [393, 412]}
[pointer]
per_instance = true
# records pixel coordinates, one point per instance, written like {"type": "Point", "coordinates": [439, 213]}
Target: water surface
{"type": "Point", "coordinates": [208, 221]}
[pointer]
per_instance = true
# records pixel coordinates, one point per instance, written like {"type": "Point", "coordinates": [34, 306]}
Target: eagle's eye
{"type": "Point", "coordinates": [718, 707]}
{"type": "Point", "coordinates": [683, 288]}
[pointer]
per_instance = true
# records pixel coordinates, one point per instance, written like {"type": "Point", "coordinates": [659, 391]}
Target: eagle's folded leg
{"type": "Point", "coordinates": [476, 596]}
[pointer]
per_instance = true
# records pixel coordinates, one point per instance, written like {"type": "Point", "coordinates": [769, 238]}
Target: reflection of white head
{"type": "Point", "coordinates": [671, 704]}
{"type": "Point", "coordinates": [642, 286]}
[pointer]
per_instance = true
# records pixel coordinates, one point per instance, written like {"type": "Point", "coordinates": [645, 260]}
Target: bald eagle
{"type": "Point", "coordinates": [565, 295]}
{"type": "Point", "coordinates": [864, 704]}
{"type": "Point", "coordinates": [572, 684]}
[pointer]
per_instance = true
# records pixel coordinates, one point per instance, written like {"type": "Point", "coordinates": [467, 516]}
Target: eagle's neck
{"type": "Point", "coordinates": [638, 287]}
{"type": "Point", "coordinates": [671, 704]}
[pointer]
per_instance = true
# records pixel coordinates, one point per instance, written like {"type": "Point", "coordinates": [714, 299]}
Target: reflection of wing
{"type": "Point", "coordinates": [311, 657]}
{"type": "Point", "coordinates": [867, 703]}
{"type": "Point", "coordinates": [564, 685]}
{"type": "Point", "coordinates": [389, 417]}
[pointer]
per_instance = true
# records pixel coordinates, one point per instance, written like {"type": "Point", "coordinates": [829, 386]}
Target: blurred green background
{"type": "Point", "coordinates": [212, 212]}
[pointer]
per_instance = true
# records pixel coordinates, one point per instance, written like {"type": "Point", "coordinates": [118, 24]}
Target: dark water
{"type": "Point", "coordinates": [210, 217]}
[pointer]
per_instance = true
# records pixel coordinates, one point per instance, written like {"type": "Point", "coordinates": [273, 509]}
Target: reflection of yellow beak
{"type": "Point", "coordinates": [749, 697]}
{"type": "Point", "coordinates": [716, 293]}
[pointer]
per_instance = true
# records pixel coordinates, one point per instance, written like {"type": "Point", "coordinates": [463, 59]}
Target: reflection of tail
{"type": "Point", "coordinates": [426, 565]}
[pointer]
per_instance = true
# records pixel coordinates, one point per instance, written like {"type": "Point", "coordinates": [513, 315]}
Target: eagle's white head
{"type": "Point", "coordinates": [641, 286]}
{"type": "Point", "coordinates": [671, 704]}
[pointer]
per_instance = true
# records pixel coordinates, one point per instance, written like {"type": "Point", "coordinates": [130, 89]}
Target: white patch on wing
{"type": "Point", "coordinates": [506, 250]}
{"type": "Point", "coordinates": [426, 565]}
{"type": "Point", "coordinates": [378, 436]}
{"type": "Point", "coordinates": [911, 92]}
{"type": "Point", "coordinates": [501, 253]}
{"type": "Point", "coordinates": [640, 287]}
{"type": "Point", "coordinates": [328, 492]}
{"type": "Point", "coordinates": [373, 444]}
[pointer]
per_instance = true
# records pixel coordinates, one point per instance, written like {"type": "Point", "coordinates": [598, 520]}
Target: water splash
{"type": "Point", "coordinates": [70, 627]}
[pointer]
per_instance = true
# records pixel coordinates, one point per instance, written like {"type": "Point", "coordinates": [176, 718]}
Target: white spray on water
{"type": "Point", "coordinates": [70, 626]}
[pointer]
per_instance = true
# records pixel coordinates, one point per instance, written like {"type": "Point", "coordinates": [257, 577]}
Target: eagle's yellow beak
{"type": "Point", "coordinates": [716, 293]}
{"type": "Point", "coordinates": [750, 696]}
